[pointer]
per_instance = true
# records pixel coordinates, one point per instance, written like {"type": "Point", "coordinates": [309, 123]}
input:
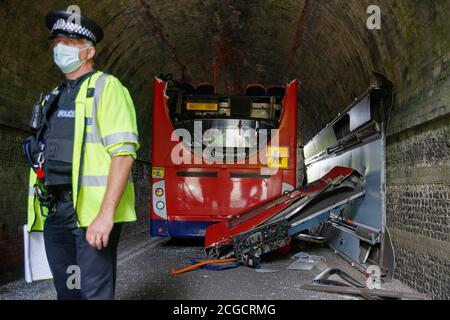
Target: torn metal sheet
{"type": "Point", "coordinates": [364, 292]}
{"type": "Point", "coordinates": [356, 139]}
{"type": "Point", "coordinates": [305, 263]}
{"type": "Point", "coordinates": [267, 271]}
{"type": "Point", "coordinates": [345, 195]}
{"type": "Point", "coordinates": [269, 227]}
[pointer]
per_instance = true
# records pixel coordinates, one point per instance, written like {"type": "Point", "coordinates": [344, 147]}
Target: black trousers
{"type": "Point", "coordinates": [79, 271]}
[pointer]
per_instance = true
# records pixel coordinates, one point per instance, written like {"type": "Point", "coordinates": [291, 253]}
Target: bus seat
{"type": "Point", "coordinates": [205, 89]}
{"type": "Point", "coordinates": [188, 88]}
{"type": "Point", "coordinates": [255, 90]}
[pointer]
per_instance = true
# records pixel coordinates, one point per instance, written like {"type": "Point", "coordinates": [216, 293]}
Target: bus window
{"type": "Point", "coordinates": [227, 134]}
{"type": "Point", "coordinates": [228, 122]}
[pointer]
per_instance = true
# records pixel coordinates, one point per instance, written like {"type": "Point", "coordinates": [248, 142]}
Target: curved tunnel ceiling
{"type": "Point", "coordinates": [324, 43]}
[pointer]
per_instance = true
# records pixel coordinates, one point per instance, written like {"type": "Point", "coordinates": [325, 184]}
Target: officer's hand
{"type": "Point", "coordinates": [97, 234]}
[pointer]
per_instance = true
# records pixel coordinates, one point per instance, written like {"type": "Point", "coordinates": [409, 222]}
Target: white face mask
{"type": "Point", "coordinates": [67, 58]}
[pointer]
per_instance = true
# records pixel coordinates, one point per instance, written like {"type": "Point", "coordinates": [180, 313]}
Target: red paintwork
{"type": "Point", "coordinates": [221, 234]}
{"type": "Point", "coordinates": [286, 249]}
{"type": "Point", "coordinates": [217, 199]}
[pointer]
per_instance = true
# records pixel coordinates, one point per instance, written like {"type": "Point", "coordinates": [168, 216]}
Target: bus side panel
{"type": "Point", "coordinates": [289, 123]}
{"type": "Point", "coordinates": [162, 127]}
{"type": "Point", "coordinates": [289, 180]}
{"type": "Point", "coordinates": [288, 134]}
{"type": "Point", "coordinates": [161, 148]}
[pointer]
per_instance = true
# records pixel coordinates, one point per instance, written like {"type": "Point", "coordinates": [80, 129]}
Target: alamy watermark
{"type": "Point", "coordinates": [75, 14]}
{"type": "Point", "coordinates": [374, 20]}
{"type": "Point", "coordinates": [74, 280]}
{"type": "Point", "coordinates": [374, 277]}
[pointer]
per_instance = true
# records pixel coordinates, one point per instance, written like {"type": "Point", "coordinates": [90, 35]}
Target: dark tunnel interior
{"type": "Point", "coordinates": [323, 43]}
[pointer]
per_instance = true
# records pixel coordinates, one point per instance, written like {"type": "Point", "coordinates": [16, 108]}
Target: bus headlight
{"type": "Point", "coordinates": [159, 192]}
{"type": "Point", "coordinates": [160, 205]}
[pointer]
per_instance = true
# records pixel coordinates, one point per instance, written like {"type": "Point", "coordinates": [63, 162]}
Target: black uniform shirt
{"type": "Point", "coordinates": [59, 135]}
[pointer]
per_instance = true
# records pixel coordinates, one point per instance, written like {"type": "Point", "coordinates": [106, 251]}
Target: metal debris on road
{"type": "Point", "coordinates": [305, 262]}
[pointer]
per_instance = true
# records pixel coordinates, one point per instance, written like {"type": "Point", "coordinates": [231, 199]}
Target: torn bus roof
{"type": "Point", "coordinates": [269, 226]}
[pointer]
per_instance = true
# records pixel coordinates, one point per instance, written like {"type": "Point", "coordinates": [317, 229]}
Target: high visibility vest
{"type": "Point", "coordinates": [105, 127]}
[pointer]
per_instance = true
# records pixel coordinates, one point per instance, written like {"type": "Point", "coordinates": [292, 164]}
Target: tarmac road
{"type": "Point", "coordinates": [144, 273]}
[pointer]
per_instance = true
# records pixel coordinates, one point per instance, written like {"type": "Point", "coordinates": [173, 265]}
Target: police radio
{"type": "Point", "coordinates": [36, 117]}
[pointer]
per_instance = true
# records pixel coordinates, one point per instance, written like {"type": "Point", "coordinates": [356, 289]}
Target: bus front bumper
{"type": "Point", "coordinates": [179, 229]}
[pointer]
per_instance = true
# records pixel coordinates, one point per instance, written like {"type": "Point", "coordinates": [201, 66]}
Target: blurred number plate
{"type": "Point", "coordinates": [278, 157]}
{"type": "Point", "coordinates": [202, 106]}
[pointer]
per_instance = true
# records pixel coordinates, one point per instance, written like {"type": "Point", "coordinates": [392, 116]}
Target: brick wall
{"type": "Point", "coordinates": [13, 196]}
{"type": "Point", "coordinates": [424, 271]}
{"type": "Point", "coordinates": [418, 198]}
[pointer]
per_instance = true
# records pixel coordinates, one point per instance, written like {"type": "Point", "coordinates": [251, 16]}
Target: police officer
{"type": "Point", "coordinates": [81, 190]}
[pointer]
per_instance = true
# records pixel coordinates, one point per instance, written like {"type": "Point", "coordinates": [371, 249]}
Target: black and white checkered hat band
{"type": "Point", "coordinates": [63, 25]}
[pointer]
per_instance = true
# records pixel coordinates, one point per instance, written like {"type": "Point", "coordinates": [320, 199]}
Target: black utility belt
{"type": "Point", "coordinates": [61, 194]}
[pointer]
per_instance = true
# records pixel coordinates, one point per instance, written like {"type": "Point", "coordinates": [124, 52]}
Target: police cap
{"type": "Point", "coordinates": [65, 23]}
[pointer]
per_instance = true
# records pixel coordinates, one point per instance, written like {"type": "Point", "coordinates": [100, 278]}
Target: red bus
{"type": "Point", "coordinates": [215, 156]}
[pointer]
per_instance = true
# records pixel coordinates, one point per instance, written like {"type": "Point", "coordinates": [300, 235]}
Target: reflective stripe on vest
{"type": "Point", "coordinates": [128, 147]}
{"type": "Point", "coordinates": [97, 181]}
{"type": "Point", "coordinates": [94, 137]}
{"type": "Point", "coordinates": [120, 137]}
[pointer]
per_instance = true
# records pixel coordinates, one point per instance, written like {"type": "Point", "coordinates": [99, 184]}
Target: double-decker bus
{"type": "Point", "coordinates": [216, 156]}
